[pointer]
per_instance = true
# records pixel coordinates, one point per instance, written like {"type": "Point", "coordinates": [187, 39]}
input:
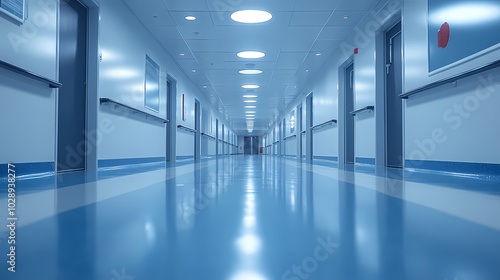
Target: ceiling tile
{"type": "Point", "coordinates": [309, 18]}
{"type": "Point", "coordinates": [316, 5]}
{"type": "Point", "coordinates": [185, 5]}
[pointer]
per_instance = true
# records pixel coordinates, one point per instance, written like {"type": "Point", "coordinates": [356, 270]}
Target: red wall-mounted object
{"type": "Point", "coordinates": [444, 35]}
{"type": "Point", "coordinates": [356, 51]}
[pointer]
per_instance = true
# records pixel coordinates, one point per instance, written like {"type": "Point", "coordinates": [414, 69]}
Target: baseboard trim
{"type": "Point", "coordinates": [362, 160]}
{"type": "Point", "coordinates": [465, 168]}
{"type": "Point", "coordinates": [111, 163]}
{"type": "Point", "coordinates": [29, 169]}
{"type": "Point", "coordinates": [326, 158]}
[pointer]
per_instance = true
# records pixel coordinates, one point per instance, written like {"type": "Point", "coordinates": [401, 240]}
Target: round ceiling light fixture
{"type": "Point", "coordinates": [191, 18]}
{"type": "Point", "coordinates": [251, 54]}
{"type": "Point", "coordinates": [251, 16]}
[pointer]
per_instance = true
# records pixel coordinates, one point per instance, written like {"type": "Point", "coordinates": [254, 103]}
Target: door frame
{"type": "Point", "coordinates": [197, 127]}
{"type": "Point", "coordinates": [380, 98]}
{"type": "Point", "coordinates": [309, 124]}
{"type": "Point", "coordinates": [91, 91]}
{"type": "Point", "coordinates": [342, 109]}
{"type": "Point", "coordinates": [172, 119]}
{"type": "Point", "coordinates": [298, 129]}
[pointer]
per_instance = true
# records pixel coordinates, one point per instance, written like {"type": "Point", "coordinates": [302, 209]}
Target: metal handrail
{"type": "Point", "coordinates": [276, 142]}
{"type": "Point", "coordinates": [303, 132]}
{"type": "Point", "coordinates": [187, 128]}
{"type": "Point", "coordinates": [364, 109]}
{"type": "Point", "coordinates": [290, 137]}
{"type": "Point", "coordinates": [104, 100]}
{"type": "Point", "coordinates": [207, 135]}
{"type": "Point", "coordinates": [26, 73]}
{"type": "Point", "coordinates": [451, 79]}
{"type": "Point", "coordinates": [330, 122]}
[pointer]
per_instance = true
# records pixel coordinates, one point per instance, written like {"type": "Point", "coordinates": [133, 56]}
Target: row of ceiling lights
{"type": "Point", "coordinates": [251, 17]}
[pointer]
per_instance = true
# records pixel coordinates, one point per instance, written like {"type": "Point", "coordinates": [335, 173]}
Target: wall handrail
{"type": "Point", "coordinates": [451, 79]}
{"type": "Point", "coordinates": [207, 135]}
{"type": "Point", "coordinates": [187, 128]}
{"type": "Point", "coordinates": [290, 137]}
{"type": "Point", "coordinates": [26, 73]}
{"type": "Point", "coordinates": [362, 110]}
{"type": "Point", "coordinates": [276, 142]}
{"type": "Point", "coordinates": [303, 132]}
{"type": "Point", "coordinates": [330, 122]}
{"type": "Point", "coordinates": [105, 100]}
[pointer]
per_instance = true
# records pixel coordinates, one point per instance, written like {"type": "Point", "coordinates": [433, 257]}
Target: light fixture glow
{"type": "Point", "coordinates": [250, 96]}
{"type": "Point", "coordinates": [250, 118]}
{"type": "Point", "coordinates": [251, 54]}
{"type": "Point", "coordinates": [250, 115]}
{"type": "Point", "coordinates": [466, 13]}
{"type": "Point", "coordinates": [250, 72]}
{"type": "Point", "coordinates": [251, 16]}
{"type": "Point", "coordinates": [318, 54]}
{"type": "Point", "coordinates": [250, 112]}
{"type": "Point", "coordinates": [182, 54]}
{"type": "Point", "coordinates": [191, 18]}
{"type": "Point", "coordinates": [250, 86]}
{"type": "Point", "coordinates": [250, 101]}
{"type": "Point", "coordinates": [346, 17]}
{"type": "Point", "coordinates": [251, 107]}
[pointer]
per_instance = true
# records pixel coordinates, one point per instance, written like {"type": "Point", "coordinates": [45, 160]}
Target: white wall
{"type": "Point", "coordinates": [27, 107]}
{"type": "Point", "coordinates": [451, 122]}
{"type": "Point", "coordinates": [460, 135]}
{"type": "Point", "coordinates": [31, 107]}
{"type": "Point", "coordinates": [125, 43]}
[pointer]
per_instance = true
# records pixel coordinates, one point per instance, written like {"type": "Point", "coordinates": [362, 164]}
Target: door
{"type": "Point", "coordinates": [71, 145]}
{"type": "Point", "coordinates": [171, 121]}
{"type": "Point", "coordinates": [309, 124]}
{"type": "Point", "coordinates": [283, 135]}
{"type": "Point", "coordinates": [394, 106]}
{"type": "Point", "coordinates": [197, 127]}
{"type": "Point", "coordinates": [349, 120]}
{"type": "Point", "coordinates": [217, 150]}
{"type": "Point", "coordinates": [222, 144]}
{"type": "Point", "coordinates": [298, 132]}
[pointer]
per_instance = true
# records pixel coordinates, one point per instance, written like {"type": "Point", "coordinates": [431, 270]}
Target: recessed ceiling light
{"type": "Point", "coordinates": [250, 118]}
{"type": "Point", "coordinates": [190, 18]}
{"type": "Point", "coordinates": [250, 86]}
{"type": "Point", "coordinates": [307, 71]}
{"type": "Point", "coordinates": [250, 112]}
{"type": "Point", "coordinates": [250, 101]}
{"type": "Point", "coordinates": [251, 72]}
{"type": "Point", "coordinates": [250, 96]}
{"type": "Point", "coordinates": [182, 54]}
{"type": "Point", "coordinates": [251, 16]}
{"type": "Point", "coordinates": [251, 54]}
{"type": "Point", "coordinates": [194, 71]}
{"type": "Point", "coordinates": [346, 17]}
{"type": "Point", "coordinates": [205, 86]}
{"type": "Point", "coordinates": [250, 115]}
{"type": "Point", "coordinates": [318, 54]}
{"type": "Point", "coordinates": [250, 107]}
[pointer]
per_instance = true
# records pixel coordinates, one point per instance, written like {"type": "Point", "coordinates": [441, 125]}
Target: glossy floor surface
{"type": "Point", "coordinates": [255, 218]}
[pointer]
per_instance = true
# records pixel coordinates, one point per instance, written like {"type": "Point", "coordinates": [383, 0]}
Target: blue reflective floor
{"type": "Point", "coordinates": [255, 218]}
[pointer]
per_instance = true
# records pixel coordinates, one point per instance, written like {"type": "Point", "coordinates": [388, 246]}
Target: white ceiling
{"type": "Point", "coordinates": [298, 31]}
